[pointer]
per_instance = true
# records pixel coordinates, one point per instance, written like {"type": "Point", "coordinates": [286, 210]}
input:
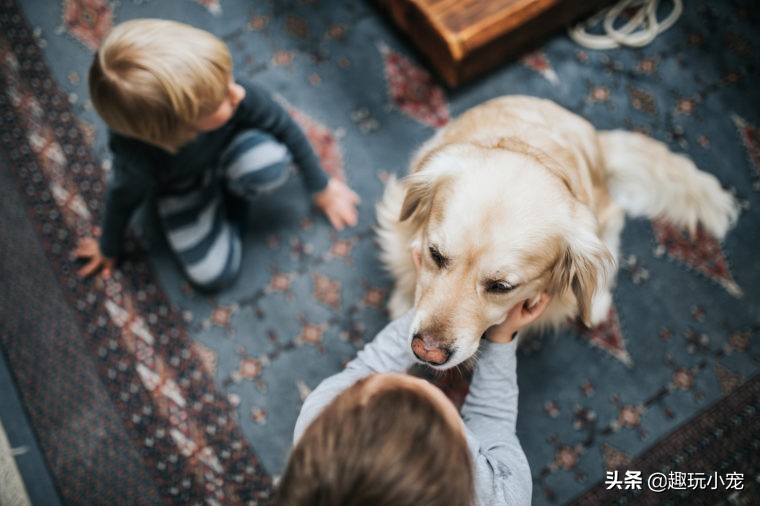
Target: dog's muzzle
{"type": "Point", "coordinates": [427, 350]}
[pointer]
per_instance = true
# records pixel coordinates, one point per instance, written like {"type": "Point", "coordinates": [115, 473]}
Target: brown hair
{"type": "Point", "coordinates": [392, 448]}
{"type": "Point", "coordinates": [152, 78]}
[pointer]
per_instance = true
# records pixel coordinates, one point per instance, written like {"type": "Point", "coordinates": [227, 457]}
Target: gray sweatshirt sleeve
{"type": "Point", "coordinates": [388, 352]}
{"type": "Point", "coordinates": [502, 474]}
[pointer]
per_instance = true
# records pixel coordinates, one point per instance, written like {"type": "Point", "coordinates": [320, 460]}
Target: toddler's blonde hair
{"type": "Point", "coordinates": [392, 447]}
{"type": "Point", "coordinates": [152, 78]}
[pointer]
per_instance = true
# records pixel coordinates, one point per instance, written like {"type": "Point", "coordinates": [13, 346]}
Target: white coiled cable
{"type": "Point", "coordinates": [639, 31]}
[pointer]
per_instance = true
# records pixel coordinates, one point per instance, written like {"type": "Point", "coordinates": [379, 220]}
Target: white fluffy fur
{"type": "Point", "coordinates": [522, 191]}
{"type": "Point", "coordinates": [646, 179]}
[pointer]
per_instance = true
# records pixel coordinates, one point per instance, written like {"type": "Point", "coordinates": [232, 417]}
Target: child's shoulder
{"type": "Point", "coordinates": [256, 94]}
{"type": "Point", "coordinates": [129, 149]}
{"type": "Point", "coordinates": [118, 142]}
{"type": "Point", "coordinates": [259, 102]}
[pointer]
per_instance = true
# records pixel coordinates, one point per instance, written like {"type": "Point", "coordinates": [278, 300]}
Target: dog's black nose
{"type": "Point", "coordinates": [426, 349]}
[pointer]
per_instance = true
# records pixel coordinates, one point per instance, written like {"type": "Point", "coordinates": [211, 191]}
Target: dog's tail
{"type": "Point", "coordinates": [394, 239]}
{"type": "Point", "coordinates": [647, 179]}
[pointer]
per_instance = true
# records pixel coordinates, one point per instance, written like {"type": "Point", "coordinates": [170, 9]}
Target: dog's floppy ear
{"type": "Point", "coordinates": [584, 266]}
{"type": "Point", "coordinates": [431, 170]}
{"type": "Point", "coordinates": [420, 187]}
{"type": "Point", "coordinates": [419, 194]}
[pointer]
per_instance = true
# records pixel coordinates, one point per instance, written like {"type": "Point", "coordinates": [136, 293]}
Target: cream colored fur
{"type": "Point", "coordinates": [519, 196]}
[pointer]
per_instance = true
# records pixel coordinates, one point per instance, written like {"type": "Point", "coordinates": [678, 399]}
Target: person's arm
{"type": "Point", "coordinates": [388, 352]}
{"type": "Point", "coordinates": [502, 472]}
{"type": "Point", "coordinates": [131, 181]}
{"type": "Point", "coordinates": [89, 250]}
{"type": "Point", "coordinates": [333, 196]}
{"type": "Point", "coordinates": [121, 201]}
{"type": "Point", "coordinates": [128, 186]}
{"type": "Point", "coordinates": [490, 412]}
{"type": "Point", "coordinates": [260, 111]}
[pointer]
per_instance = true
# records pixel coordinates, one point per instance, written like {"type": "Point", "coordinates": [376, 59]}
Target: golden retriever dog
{"type": "Point", "coordinates": [519, 197]}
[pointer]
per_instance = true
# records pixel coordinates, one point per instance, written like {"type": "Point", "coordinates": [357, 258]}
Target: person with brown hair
{"type": "Point", "coordinates": [182, 129]}
{"type": "Point", "coordinates": [374, 436]}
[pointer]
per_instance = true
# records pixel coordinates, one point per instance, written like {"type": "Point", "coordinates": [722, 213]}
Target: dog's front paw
{"type": "Point", "coordinates": [600, 307]}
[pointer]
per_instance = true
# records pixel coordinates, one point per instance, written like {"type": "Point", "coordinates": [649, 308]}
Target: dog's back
{"type": "Point", "coordinates": [606, 172]}
{"type": "Point", "coordinates": [550, 130]}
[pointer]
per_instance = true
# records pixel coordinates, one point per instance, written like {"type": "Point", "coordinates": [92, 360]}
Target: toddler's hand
{"type": "Point", "coordinates": [517, 318]}
{"type": "Point", "coordinates": [338, 202]}
{"type": "Point", "coordinates": [89, 249]}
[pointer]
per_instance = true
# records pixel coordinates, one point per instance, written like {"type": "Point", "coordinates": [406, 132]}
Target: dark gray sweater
{"type": "Point", "coordinates": [140, 169]}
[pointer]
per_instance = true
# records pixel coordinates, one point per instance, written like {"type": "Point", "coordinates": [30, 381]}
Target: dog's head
{"type": "Point", "coordinates": [493, 228]}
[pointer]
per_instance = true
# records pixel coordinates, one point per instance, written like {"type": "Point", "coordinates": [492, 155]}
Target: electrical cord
{"type": "Point", "coordinates": [641, 29]}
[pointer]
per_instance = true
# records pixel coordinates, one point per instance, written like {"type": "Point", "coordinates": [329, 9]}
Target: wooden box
{"type": "Point", "coordinates": [462, 39]}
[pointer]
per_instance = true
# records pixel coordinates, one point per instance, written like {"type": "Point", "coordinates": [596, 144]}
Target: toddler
{"type": "Point", "coordinates": [182, 129]}
{"type": "Point", "coordinates": [371, 435]}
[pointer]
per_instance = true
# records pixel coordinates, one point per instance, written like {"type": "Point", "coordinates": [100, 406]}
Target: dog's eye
{"type": "Point", "coordinates": [498, 287]}
{"type": "Point", "coordinates": [439, 260]}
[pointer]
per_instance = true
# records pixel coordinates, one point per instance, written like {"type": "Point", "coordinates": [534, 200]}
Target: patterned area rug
{"type": "Point", "coordinates": [141, 390]}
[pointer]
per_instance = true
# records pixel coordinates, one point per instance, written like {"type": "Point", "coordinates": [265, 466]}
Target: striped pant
{"type": "Point", "coordinates": [199, 222]}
